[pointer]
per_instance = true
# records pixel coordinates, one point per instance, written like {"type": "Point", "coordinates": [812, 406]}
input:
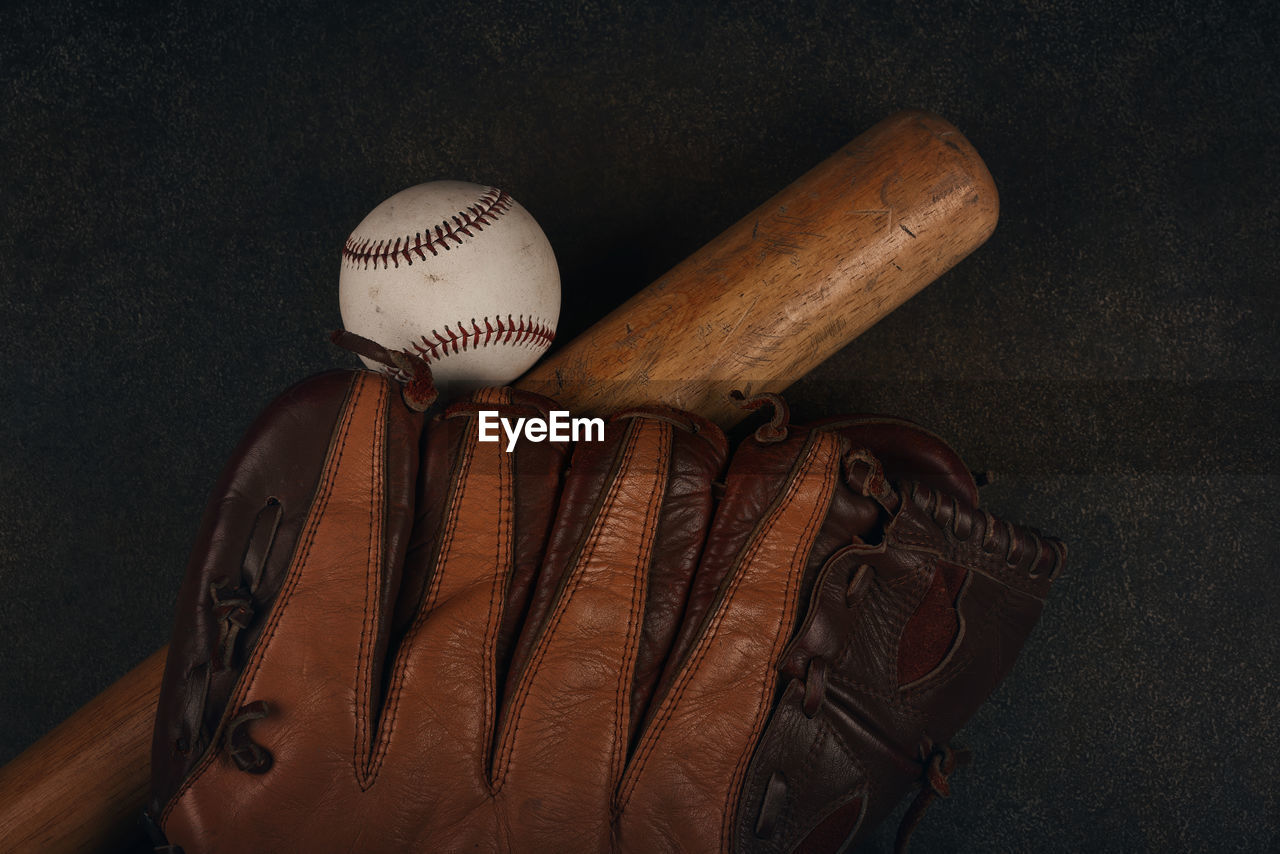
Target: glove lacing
{"type": "Point", "coordinates": [939, 761]}
{"type": "Point", "coordinates": [409, 368]}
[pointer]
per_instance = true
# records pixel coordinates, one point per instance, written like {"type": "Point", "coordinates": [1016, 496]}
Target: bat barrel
{"type": "Point", "coordinates": [792, 282]}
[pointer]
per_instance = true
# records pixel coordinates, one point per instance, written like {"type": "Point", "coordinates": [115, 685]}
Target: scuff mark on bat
{"type": "Point", "coordinates": [787, 235]}
{"type": "Point", "coordinates": [894, 178]}
{"type": "Point", "coordinates": [729, 330]}
{"type": "Point", "coordinates": [887, 213]}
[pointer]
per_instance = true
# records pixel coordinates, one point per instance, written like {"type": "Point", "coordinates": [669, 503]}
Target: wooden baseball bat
{"type": "Point", "coordinates": [792, 282]}
{"type": "Point", "coordinates": [755, 309]}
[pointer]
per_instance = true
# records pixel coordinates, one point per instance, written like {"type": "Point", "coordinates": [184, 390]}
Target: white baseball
{"type": "Point", "coordinates": [460, 274]}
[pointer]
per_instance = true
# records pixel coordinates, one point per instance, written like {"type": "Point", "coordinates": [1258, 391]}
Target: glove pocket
{"type": "Point", "coordinates": [836, 754]}
{"type": "Point", "coordinates": [901, 643]}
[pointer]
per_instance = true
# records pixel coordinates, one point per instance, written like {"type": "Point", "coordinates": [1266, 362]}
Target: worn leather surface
{"type": "Point", "coordinates": [849, 737]}
{"type": "Point", "coordinates": [266, 489]}
{"type": "Point", "coordinates": [601, 648]}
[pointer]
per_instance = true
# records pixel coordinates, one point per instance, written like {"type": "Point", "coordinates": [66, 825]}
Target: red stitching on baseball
{"type": "Point", "coordinates": [531, 333]}
{"type": "Point", "coordinates": [388, 253]}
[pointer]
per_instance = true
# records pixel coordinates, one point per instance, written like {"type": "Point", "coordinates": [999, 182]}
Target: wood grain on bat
{"type": "Point", "coordinates": [791, 283]}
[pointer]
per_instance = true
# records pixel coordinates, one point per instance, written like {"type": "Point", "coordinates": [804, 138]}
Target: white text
{"type": "Point", "coordinates": [559, 427]}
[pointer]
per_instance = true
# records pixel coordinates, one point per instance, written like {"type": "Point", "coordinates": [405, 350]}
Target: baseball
{"type": "Point", "coordinates": [459, 273]}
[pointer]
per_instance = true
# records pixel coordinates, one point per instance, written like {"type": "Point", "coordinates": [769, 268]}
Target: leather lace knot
{"type": "Point", "coordinates": [939, 761]}
{"type": "Point", "coordinates": [815, 687]}
{"type": "Point", "coordinates": [233, 611]}
{"type": "Point", "coordinates": [419, 390]}
{"type": "Point", "coordinates": [247, 754]}
{"type": "Point", "coordinates": [864, 472]}
{"type": "Point", "coordinates": [776, 429]}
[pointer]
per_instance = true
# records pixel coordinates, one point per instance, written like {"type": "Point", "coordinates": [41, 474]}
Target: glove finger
{"type": "Point", "coordinates": [245, 541]}
{"type": "Point", "coordinates": [447, 671]}
{"type": "Point", "coordinates": [322, 630]}
{"type": "Point", "coordinates": [692, 754]}
{"type": "Point", "coordinates": [698, 451]}
{"type": "Point", "coordinates": [564, 733]}
{"type": "Point", "coordinates": [696, 459]}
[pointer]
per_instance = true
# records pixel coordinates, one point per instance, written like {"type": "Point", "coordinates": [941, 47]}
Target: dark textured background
{"type": "Point", "coordinates": [176, 186]}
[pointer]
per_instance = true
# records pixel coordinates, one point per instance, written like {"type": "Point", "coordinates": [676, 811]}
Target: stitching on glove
{"type": "Point", "coordinates": [325, 491]}
{"type": "Point", "coordinates": [528, 678]}
{"type": "Point", "coordinates": [530, 675]}
{"type": "Point", "coordinates": [658, 724]}
{"type": "Point", "coordinates": [374, 561]}
{"type": "Point", "coordinates": [497, 596]}
{"type": "Point", "coordinates": [626, 675]}
{"type": "Point", "coordinates": [392, 705]}
{"type": "Point", "coordinates": [783, 634]}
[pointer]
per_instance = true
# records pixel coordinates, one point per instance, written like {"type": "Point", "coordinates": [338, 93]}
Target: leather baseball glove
{"type": "Point", "coordinates": [395, 637]}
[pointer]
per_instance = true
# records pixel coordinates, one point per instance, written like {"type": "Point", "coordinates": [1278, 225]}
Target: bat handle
{"type": "Point", "coordinates": [82, 786]}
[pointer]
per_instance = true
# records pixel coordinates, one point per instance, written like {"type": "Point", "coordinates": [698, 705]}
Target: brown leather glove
{"type": "Point", "coordinates": [394, 637]}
